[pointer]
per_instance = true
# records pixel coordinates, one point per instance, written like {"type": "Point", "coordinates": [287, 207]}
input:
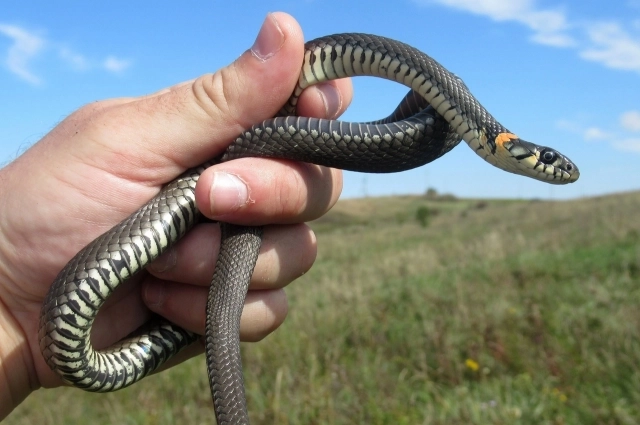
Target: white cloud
{"type": "Point", "coordinates": [630, 120]}
{"type": "Point", "coordinates": [551, 39]}
{"type": "Point", "coordinates": [627, 145]}
{"type": "Point", "coordinates": [621, 139]}
{"type": "Point", "coordinates": [608, 43]}
{"type": "Point", "coordinates": [113, 64]}
{"type": "Point", "coordinates": [25, 47]}
{"type": "Point", "coordinates": [589, 134]}
{"type": "Point", "coordinates": [595, 133]}
{"type": "Point", "coordinates": [613, 47]}
{"type": "Point", "coordinates": [549, 26]}
{"type": "Point", "coordinates": [76, 60]}
{"type": "Point", "coordinates": [570, 126]}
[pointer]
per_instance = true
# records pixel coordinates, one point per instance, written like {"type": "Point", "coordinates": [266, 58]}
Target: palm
{"type": "Point", "coordinates": [68, 209]}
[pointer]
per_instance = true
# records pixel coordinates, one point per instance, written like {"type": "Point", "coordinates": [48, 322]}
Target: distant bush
{"type": "Point", "coordinates": [423, 214]}
{"type": "Point", "coordinates": [433, 195]}
{"type": "Point", "coordinates": [446, 197]}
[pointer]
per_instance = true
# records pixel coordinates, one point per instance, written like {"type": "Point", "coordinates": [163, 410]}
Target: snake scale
{"type": "Point", "coordinates": [438, 112]}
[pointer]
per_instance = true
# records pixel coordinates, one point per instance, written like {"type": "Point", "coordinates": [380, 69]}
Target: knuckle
{"type": "Point", "coordinates": [267, 316]}
{"type": "Point", "coordinates": [307, 191]}
{"type": "Point", "coordinates": [290, 190]}
{"type": "Point", "coordinates": [87, 115]}
{"type": "Point", "coordinates": [213, 94]}
{"type": "Point", "coordinates": [299, 253]}
{"type": "Point", "coordinates": [310, 254]}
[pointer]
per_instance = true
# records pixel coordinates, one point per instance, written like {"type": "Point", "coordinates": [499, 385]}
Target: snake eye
{"type": "Point", "coordinates": [548, 156]}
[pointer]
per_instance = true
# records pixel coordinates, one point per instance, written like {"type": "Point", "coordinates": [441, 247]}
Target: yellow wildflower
{"type": "Point", "coordinates": [472, 365]}
{"type": "Point", "coordinates": [560, 395]}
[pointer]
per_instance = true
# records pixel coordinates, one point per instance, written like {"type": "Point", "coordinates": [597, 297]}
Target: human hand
{"type": "Point", "coordinates": [108, 158]}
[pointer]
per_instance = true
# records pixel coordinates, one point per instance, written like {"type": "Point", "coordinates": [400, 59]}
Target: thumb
{"type": "Point", "coordinates": [161, 135]}
{"type": "Point", "coordinates": [215, 108]}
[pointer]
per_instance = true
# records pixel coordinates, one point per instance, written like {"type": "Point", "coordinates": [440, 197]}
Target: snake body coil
{"type": "Point", "coordinates": [437, 113]}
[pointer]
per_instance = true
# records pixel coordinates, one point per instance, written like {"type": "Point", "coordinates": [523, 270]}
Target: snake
{"type": "Point", "coordinates": [438, 112]}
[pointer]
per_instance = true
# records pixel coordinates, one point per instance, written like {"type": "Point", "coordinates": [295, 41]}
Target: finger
{"type": "Point", "coordinates": [153, 138]}
{"type": "Point", "coordinates": [123, 312]}
{"type": "Point", "coordinates": [185, 305]}
{"type": "Point", "coordinates": [259, 191]}
{"type": "Point", "coordinates": [264, 311]}
{"type": "Point", "coordinates": [188, 123]}
{"type": "Point", "coordinates": [327, 100]}
{"type": "Point", "coordinates": [286, 253]}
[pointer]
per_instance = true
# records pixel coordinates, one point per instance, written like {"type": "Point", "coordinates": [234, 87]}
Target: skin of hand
{"type": "Point", "coordinates": [108, 158]}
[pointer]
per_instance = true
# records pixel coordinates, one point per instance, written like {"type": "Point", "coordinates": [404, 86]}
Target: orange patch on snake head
{"type": "Point", "coordinates": [503, 138]}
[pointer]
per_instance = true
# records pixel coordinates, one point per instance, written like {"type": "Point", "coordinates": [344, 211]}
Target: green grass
{"type": "Point", "coordinates": [495, 312]}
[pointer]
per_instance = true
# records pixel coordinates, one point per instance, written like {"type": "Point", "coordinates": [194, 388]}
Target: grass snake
{"type": "Point", "coordinates": [436, 114]}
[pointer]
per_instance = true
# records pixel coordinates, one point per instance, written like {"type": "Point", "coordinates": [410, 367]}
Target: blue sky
{"type": "Point", "coordinates": [562, 74]}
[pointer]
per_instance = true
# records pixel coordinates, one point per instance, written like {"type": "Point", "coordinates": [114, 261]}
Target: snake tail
{"type": "Point", "coordinates": [239, 250]}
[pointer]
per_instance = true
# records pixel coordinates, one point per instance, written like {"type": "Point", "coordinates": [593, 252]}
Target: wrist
{"type": "Point", "coordinates": [16, 382]}
{"type": "Point", "coordinates": [17, 379]}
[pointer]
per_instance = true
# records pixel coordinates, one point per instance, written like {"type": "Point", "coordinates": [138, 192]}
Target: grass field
{"type": "Point", "coordinates": [431, 311]}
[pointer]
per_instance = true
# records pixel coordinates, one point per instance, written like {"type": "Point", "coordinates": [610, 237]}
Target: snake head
{"type": "Point", "coordinates": [541, 162]}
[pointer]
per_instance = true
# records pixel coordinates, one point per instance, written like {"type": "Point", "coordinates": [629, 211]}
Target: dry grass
{"type": "Point", "coordinates": [502, 312]}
